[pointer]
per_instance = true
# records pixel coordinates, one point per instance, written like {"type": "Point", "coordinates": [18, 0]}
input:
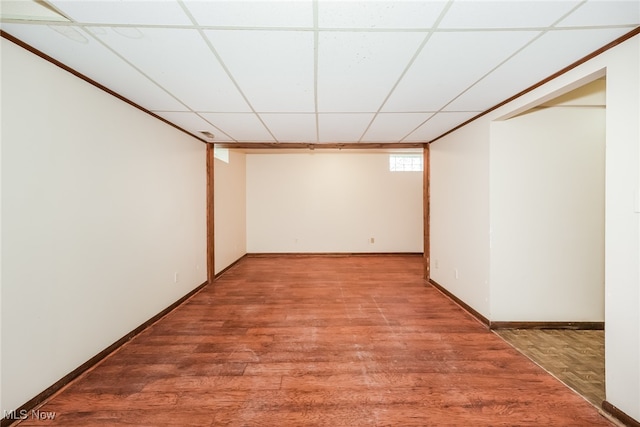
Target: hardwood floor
{"type": "Point", "coordinates": [319, 341]}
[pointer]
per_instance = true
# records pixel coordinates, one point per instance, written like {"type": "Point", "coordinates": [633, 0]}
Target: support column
{"type": "Point", "coordinates": [425, 209]}
{"type": "Point", "coordinates": [211, 266]}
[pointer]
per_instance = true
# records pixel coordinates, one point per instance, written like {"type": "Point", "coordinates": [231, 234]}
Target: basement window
{"type": "Point", "coordinates": [405, 162]}
{"type": "Point", "coordinates": [221, 153]}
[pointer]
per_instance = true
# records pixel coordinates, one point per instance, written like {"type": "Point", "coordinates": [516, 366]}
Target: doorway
{"type": "Point", "coordinates": [547, 238]}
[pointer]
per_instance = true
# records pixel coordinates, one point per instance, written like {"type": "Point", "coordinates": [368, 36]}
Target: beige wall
{"type": "Point", "coordinates": [331, 202]}
{"type": "Point", "coordinates": [230, 210]}
{"type": "Point", "coordinates": [459, 207]}
{"type": "Point", "coordinates": [101, 205]}
{"type": "Point", "coordinates": [547, 215]}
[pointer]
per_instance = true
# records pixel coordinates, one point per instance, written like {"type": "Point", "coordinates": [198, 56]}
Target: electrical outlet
{"type": "Point", "coordinates": [455, 273]}
{"type": "Point", "coordinates": [372, 240]}
{"type": "Point", "coordinates": [176, 277]}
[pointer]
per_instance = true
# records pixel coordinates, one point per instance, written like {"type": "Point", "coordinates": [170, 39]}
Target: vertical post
{"type": "Point", "coordinates": [211, 266]}
{"type": "Point", "coordinates": [426, 213]}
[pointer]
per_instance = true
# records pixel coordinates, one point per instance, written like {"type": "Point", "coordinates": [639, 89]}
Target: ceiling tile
{"type": "Point", "coordinates": [180, 61]}
{"type": "Point", "coordinates": [378, 14]}
{"type": "Point", "coordinates": [450, 63]}
{"type": "Point", "coordinates": [274, 69]}
{"type": "Point", "coordinates": [356, 70]}
{"type": "Point", "coordinates": [193, 123]}
{"type": "Point", "coordinates": [343, 127]}
{"type": "Point", "coordinates": [89, 57]}
{"type": "Point", "coordinates": [598, 12]}
{"type": "Point", "coordinates": [392, 127]}
{"type": "Point", "coordinates": [551, 52]}
{"type": "Point", "coordinates": [124, 12]}
{"type": "Point", "coordinates": [439, 124]}
{"type": "Point", "coordinates": [505, 14]}
{"type": "Point", "coordinates": [232, 13]}
{"type": "Point", "coordinates": [243, 127]}
{"type": "Point", "coordinates": [291, 127]}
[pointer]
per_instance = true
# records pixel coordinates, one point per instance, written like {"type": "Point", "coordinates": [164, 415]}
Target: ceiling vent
{"type": "Point", "coordinates": [207, 134]}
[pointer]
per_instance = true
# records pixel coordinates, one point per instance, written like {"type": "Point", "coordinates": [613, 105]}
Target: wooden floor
{"type": "Point", "coordinates": [575, 357]}
{"type": "Point", "coordinates": [319, 341]}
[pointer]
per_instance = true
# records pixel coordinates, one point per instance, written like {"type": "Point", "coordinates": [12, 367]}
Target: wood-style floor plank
{"type": "Point", "coordinates": [575, 357]}
{"type": "Point", "coordinates": [319, 341]}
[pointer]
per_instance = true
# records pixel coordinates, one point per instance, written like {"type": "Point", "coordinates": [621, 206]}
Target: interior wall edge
{"type": "Point", "coordinates": [230, 266]}
{"type": "Point", "coordinates": [466, 307]}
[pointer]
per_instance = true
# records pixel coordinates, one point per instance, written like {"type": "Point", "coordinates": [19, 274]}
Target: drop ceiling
{"type": "Point", "coordinates": [318, 71]}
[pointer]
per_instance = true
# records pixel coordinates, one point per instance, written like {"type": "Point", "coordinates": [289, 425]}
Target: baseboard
{"type": "Point", "coordinates": [619, 415]}
{"type": "Point", "coordinates": [595, 326]}
{"type": "Point", "coordinates": [62, 382]}
{"type": "Point", "coordinates": [327, 254]}
{"type": "Point", "coordinates": [461, 303]}
{"type": "Point", "coordinates": [230, 266]}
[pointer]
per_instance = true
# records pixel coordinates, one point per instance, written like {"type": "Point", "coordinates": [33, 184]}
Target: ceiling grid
{"type": "Point", "coordinates": [318, 71]}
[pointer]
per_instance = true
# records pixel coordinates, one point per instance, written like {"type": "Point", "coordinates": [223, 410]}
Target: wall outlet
{"type": "Point", "coordinates": [176, 277]}
{"type": "Point", "coordinates": [455, 272]}
{"type": "Point", "coordinates": [372, 240]}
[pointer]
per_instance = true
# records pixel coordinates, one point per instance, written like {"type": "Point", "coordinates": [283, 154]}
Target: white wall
{"type": "Point", "coordinates": [459, 213]}
{"type": "Point", "coordinates": [622, 228]}
{"type": "Point", "coordinates": [230, 210]}
{"type": "Point", "coordinates": [547, 215]}
{"type": "Point", "coordinates": [331, 202]}
{"type": "Point", "coordinates": [622, 222]}
{"type": "Point", "coordinates": [101, 205]}
{"type": "Point", "coordinates": [1, 186]}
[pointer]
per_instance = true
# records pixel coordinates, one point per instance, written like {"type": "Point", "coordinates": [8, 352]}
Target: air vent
{"type": "Point", "coordinates": [207, 134]}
